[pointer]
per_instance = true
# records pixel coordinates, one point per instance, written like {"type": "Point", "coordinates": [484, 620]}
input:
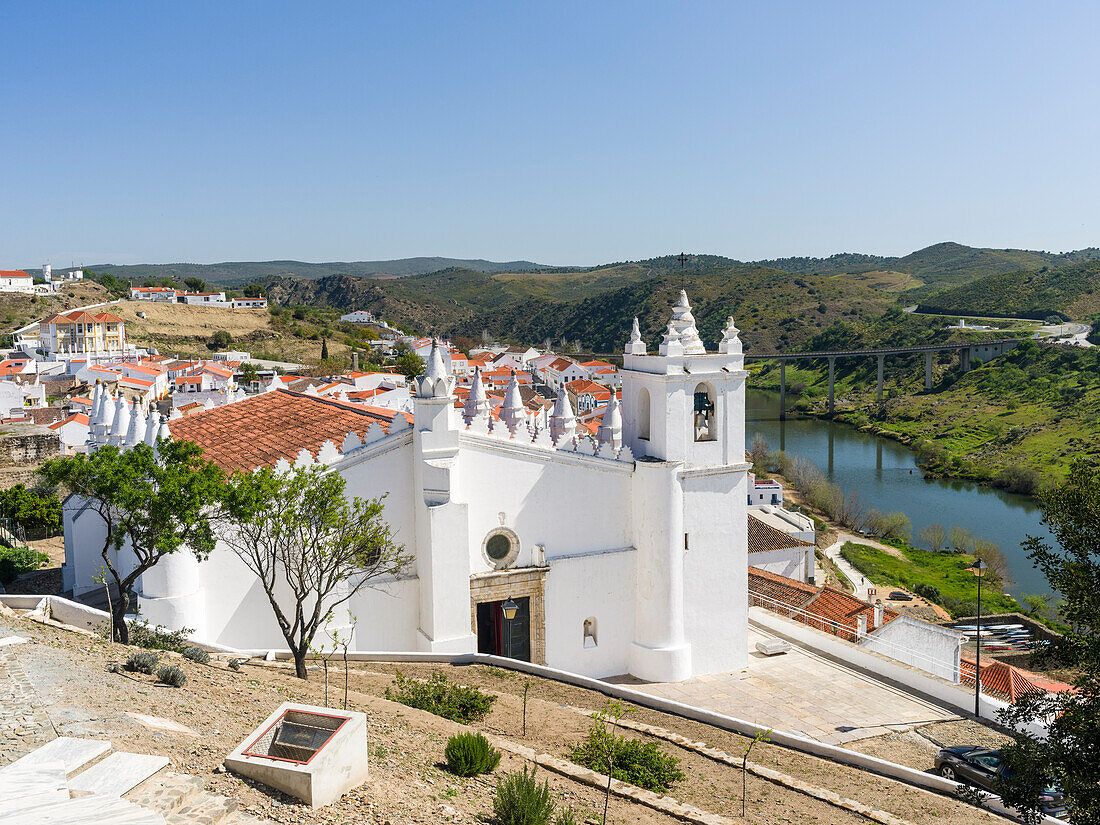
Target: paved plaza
{"type": "Point", "coordinates": [804, 693]}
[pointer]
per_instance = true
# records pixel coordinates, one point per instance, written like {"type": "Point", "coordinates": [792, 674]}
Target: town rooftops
{"type": "Point", "coordinates": [15, 273]}
{"type": "Point", "coordinates": [264, 428]}
{"type": "Point", "coordinates": [824, 608]}
{"type": "Point", "coordinates": [763, 537]}
{"type": "Point", "coordinates": [75, 418]}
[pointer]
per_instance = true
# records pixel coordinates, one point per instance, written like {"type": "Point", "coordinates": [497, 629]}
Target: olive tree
{"type": "Point", "coordinates": [1066, 756]}
{"type": "Point", "coordinates": [311, 548]}
{"type": "Point", "coordinates": [152, 503]}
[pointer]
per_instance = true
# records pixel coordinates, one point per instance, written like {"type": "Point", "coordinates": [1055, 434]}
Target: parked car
{"type": "Point", "coordinates": [981, 767]}
{"type": "Point", "coordinates": [899, 596]}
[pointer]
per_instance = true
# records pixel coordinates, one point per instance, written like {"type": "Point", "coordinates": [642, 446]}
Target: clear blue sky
{"type": "Point", "coordinates": [568, 133]}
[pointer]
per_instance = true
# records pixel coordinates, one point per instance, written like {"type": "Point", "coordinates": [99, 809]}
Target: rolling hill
{"type": "Point", "coordinates": [1070, 291]}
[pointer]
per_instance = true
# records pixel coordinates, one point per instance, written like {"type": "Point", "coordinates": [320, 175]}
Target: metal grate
{"type": "Point", "coordinates": [296, 736]}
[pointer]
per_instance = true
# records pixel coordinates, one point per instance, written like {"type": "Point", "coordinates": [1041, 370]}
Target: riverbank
{"type": "Point", "coordinates": [1015, 424]}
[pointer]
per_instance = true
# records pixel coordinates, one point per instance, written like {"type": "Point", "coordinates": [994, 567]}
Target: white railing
{"type": "Point", "coordinates": [907, 655]}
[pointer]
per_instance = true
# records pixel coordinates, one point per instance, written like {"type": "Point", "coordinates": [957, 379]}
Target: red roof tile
{"type": "Point", "coordinates": [765, 537]}
{"type": "Point", "coordinates": [260, 430]}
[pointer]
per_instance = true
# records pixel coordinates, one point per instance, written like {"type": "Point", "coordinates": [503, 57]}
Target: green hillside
{"type": "Point", "coordinates": [1070, 291]}
{"type": "Point", "coordinates": [235, 273]}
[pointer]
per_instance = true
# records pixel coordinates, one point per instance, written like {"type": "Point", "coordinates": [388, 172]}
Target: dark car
{"type": "Point", "coordinates": [899, 596]}
{"type": "Point", "coordinates": [981, 767]}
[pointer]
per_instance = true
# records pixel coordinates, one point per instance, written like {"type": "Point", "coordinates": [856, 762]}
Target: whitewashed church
{"type": "Point", "coordinates": [624, 553]}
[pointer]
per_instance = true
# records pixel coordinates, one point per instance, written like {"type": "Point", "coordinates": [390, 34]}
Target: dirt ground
{"type": "Point", "coordinates": [408, 783]}
{"type": "Point", "coordinates": [184, 329]}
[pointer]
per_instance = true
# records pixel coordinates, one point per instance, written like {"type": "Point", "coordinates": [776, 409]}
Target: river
{"type": "Point", "coordinates": [885, 475]}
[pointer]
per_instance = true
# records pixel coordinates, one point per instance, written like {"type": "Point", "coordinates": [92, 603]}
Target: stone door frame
{"type": "Point", "coordinates": [516, 582]}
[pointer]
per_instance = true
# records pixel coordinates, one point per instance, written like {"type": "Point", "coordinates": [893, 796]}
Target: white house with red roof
{"type": "Point", "coordinates": [622, 551]}
{"type": "Point", "coordinates": [73, 431]}
{"type": "Point", "coordinates": [16, 280]}
{"type": "Point", "coordinates": [153, 293]}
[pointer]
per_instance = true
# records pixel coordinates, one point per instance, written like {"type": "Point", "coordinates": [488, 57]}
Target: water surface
{"type": "Point", "coordinates": [886, 476]}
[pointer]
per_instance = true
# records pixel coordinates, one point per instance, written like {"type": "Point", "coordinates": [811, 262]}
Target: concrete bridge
{"type": "Point", "coordinates": [983, 351]}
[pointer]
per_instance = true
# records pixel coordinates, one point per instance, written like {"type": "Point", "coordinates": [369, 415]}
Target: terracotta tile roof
{"type": "Point", "coordinates": [765, 537]}
{"type": "Point", "coordinates": [45, 415]}
{"type": "Point", "coordinates": [263, 428]}
{"type": "Point", "coordinates": [583, 385]}
{"type": "Point", "coordinates": [75, 418]}
{"type": "Point", "coordinates": [14, 273]}
{"type": "Point", "coordinates": [790, 592]}
{"type": "Point", "coordinates": [1008, 681]}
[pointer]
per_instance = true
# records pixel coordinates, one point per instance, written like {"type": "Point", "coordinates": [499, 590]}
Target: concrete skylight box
{"type": "Point", "coordinates": [315, 754]}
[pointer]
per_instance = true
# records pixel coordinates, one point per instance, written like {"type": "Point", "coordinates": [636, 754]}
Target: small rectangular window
{"type": "Point", "coordinates": [685, 541]}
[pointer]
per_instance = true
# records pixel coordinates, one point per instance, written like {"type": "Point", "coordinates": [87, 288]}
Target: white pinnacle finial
{"type": "Point", "coordinates": [119, 425]}
{"type": "Point", "coordinates": [684, 322]}
{"type": "Point", "coordinates": [563, 421]}
{"type": "Point", "coordinates": [163, 432]}
{"type": "Point", "coordinates": [274, 384]}
{"type": "Point", "coordinates": [97, 401]}
{"type": "Point", "coordinates": [152, 426]}
{"type": "Point", "coordinates": [635, 346]}
{"type": "Point", "coordinates": [135, 431]}
{"type": "Point", "coordinates": [435, 382]}
{"type": "Point", "coordinates": [671, 343]}
{"type": "Point", "coordinates": [513, 413]}
{"type": "Point", "coordinates": [476, 402]}
{"type": "Point", "coordinates": [611, 428]}
{"type": "Point", "coordinates": [730, 343]}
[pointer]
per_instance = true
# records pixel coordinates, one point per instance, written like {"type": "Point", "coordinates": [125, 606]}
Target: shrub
{"type": "Point", "coordinates": [631, 760]}
{"type": "Point", "coordinates": [159, 637]}
{"type": "Point", "coordinates": [469, 754]}
{"type": "Point", "coordinates": [566, 816]}
{"type": "Point", "coordinates": [235, 664]}
{"type": "Point", "coordinates": [929, 592]}
{"type": "Point", "coordinates": [32, 509]}
{"type": "Point", "coordinates": [520, 800]}
{"type": "Point", "coordinates": [15, 561]}
{"type": "Point", "coordinates": [441, 697]}
{"type": "Point", "coordinates": [196, 654]}
{"type": "Point", "coordinates": [172, 675]}
{"type": "Point", "coordinates": [142, 661]}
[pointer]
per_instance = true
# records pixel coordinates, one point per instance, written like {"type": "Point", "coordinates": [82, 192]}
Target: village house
{"type": "Point", "coordinates": [94, 336]}
{"type": "Point", "coordinates": [16, 280]}
{"type": "Point", "coordinates": [153, 293]}
{"type": "Point", "coordinates": [623, 553]}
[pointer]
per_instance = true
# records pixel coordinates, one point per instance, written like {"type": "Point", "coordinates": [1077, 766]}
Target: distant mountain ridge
{"type": "Point", "coordinates": [236, 273]}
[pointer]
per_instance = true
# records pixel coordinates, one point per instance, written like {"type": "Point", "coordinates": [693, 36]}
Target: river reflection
{"type": "Point", "coordinates": [886, 476]}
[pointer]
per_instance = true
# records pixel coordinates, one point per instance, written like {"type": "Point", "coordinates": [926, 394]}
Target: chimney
{"type": "Point", "coordinates": [878, 616]}
{"type": "Point", "coordinates": [861, 625]}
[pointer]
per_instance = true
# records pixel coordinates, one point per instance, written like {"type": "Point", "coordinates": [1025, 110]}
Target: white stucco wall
{"type": "Point", "coordinates": [599, 586]}
{"type": "Point", "coordinates": [920, 644]}
{"type": "Point", "coordinates": [790, 563]}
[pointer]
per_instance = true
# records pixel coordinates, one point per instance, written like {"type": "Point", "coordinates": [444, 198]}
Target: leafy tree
{"type": "Point", "coordinates": [194, 284]}
{"type": "Point", "coordinates": [1067, 756]}
{"type": "Point", "coordinates": [407, 362]}
{"type": "Point", "coordinates": [249, 373]}
{"type": "Point", "coordinates": [219, 340]}
{"type": "Point", "coordinates": [32, 509]}
{"type": "Point", "coordinates": [254, 291]}
{"type": "Point", "coordinates": [152, 503]}
{"type": "Point", "coordinates": [309, 546]}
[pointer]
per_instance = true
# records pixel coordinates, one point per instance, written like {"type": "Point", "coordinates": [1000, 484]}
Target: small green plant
{"type": "Point", "coordinates": [196, 654]}
{"type": "Point", "coordinates": [761, 736]}
{"type": "Point", "coordinates": [15, 561]}
{"type": "Point", "coordinates": [437, 695]}
{"type": "Point", "coordinates": [566, 816]}
{"type": "Point", "coordinates": [521, 800]}
{"type": "Point", "coordinates": [142, 661]}
{"type": "Point", "coordinates": [381, 752]}
{"type": "Point", "coordinates": [172, 675]}
{"type": "Point", "coordinates": [470, 754]}
{"type": "Point", "coordinates": [629, 760]}
{"type": "Point", "coordinates": [235, 664]}
{"type": "Point", "coordinates": [159, 637]}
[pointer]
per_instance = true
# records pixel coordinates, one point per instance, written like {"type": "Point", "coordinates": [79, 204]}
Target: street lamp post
{"type": "Point", "coordinates": [979, 568]}
{"type": "Point", "coordinates": [509, 608]}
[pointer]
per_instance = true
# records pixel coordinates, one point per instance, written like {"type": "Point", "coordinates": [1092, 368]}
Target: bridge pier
{"type": "Point", "coordinates": [928, 370]}
{"type": "Point", "coordinates": [832, 365]}
{"type": "Point", "coordinates": [881, 364]}
{"type": "Point", "coordinates": [782, 390]}
{"type": "Point", "coordinates": [964, 359]}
